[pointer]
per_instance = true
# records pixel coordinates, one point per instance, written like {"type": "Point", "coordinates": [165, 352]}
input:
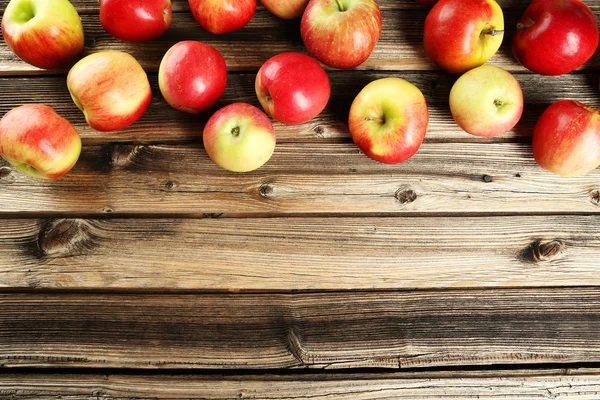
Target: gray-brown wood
{"type": "Point", "coordinates": [317, 330]}
{"type": "Point", "coordinates": [575, 384]}
{"type": "Point", "coordinates": [302, 178]}
{"type": "Point", "coordinates": [399, 48]}
{"type": "Point", "coordinates": [284, 254]}
{"type": "Point", "coordinates": [163, 124]}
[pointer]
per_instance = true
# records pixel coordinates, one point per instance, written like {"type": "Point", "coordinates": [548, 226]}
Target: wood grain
{"type": "Point", "coordinates": [282, 254]}
{"type": "Point", "coordinates": [531, 385]}
{"type": "Point", "coordinates": [300, 178]}
{"type": "Point", "coordinates": [399, 48]}
{"type": "Point", "coordinates": [163, 124]}
{"type": "Point", "coordinates": [319, 330]}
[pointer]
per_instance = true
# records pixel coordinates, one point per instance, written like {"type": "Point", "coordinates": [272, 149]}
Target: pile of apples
{"type": "Point", "coordinates": [388, 119]}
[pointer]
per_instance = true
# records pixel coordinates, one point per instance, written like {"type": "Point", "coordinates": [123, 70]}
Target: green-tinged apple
{"type": "Point", "coordinates": [39, 142]}
{"type": "Point", "coordinates": [486, 101]}
{"type": "Point", "coordinates": [388, 120]}
{"type": "Point", "coordinates": [239, 137]}
{"type": "Point", "coordinates": [111, 88]}
{"type": "Point", "coordinates": [566, 139]}
{"type": "Point", "coordinates": [463, 34]}
{"type": "Point", "coordinates": [341, 33]}
{"type": "Point", "coordinates": [44, 33]}
{"type": "Point", "coordinates": [288, 9]}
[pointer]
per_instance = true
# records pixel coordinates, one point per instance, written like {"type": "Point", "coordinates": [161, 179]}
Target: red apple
{"type": "Point", "coordinates": [460, 35]}
{"type": "Point", "coordinates": [44, 33]}
{"type": "Point", "coordinates": [388, 120]}
{"type": "Point", "coordinates": [38, 141]}
{"type": "Point", "coordinates": [135, 20]}
{"type": "Point", "coordinates": [555, 37]}
{"type": "Point", "coordinates": [288, 9]}
{"type": "Point", "coordinates": [239, 137]}
{"type": "Point", "coordinates": [566, 139]}
{"type": "Point", "coordinates": [341, 33]}
{"type": "Point", "coordinates": [293, 88]}
{"type": "Point", "coordinates": [111, 88]}
{"type": "Point", "coordinates": [223, 16]}
{"type": "Point", "coordinates": [192, 76]}
{"type": "Point", "coordinates": [486, 101]}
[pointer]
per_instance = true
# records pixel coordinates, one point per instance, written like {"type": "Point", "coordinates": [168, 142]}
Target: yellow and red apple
{"type": "Point", "coordinates": [44, 33]}
{"type": "Point", "coordinates": [486, 101]}
{"type": "Point", "coordinates": [566, 139]}
{"type": "Point", "coordinates": [460, 35]}
{"type": "Point", "coordinates": [39, 142]}
{"type": "Point", "coordinates": [223, 16]}
{"type": "Point", "coordinates": [111, 88]}
{"type": "Point", "coordinates": [239, 137]}
{"type": "Point", "coordinates": [388, 120]}
{"type": "Point", "coordinates": [341, 33]}
{"type": "Point", "coordinates": [288, 9]}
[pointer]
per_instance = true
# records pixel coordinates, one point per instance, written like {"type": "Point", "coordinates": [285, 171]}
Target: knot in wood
{"type": "Point", "coordinates": [595, 197]}
{"type": "Point", "coordinates": [319, 131]}
{"type": "Point", "coordinates": [266, 190]}
{"type": "Point", "coordinates": [546, 250]}
{"type": "Point", "coordinates": [65, 238]}
{"type": "Point", "coordinates": [123, 155]}
{"type": "Point", "coordinates": [6, 175]}
{"type": "Point", "coordinates": [487, 178]}
{"type": "Point", "coordinates": [405, 196]}
{"type": "Point", "coordinates": [4, 172]}
{"type": "Point", "coordinates": [170, 185]}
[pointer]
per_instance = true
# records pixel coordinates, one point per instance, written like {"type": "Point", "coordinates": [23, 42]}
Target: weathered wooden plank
{"type": "Point", "coordinates": [534, 384]}
{"type": "Point", "coordinates": [320, 330]}
{"type": "Point", "coordinates": [300, 253]}
{"type": "Point", "coordinates": [302, 178]}
{"type": "Point", "coordinates": [163, 124]}
{"type": "Point", "coordinates": [399, 48]}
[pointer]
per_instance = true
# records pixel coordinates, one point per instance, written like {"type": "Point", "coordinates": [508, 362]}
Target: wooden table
{"type": "Point", "coordinates": [149, 272]}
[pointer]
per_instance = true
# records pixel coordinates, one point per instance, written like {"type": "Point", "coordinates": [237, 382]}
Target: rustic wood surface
{"type": "Point", "coordinates": [578, 384]}
{"type": "Point", "coordinates": [148, 256]}
{"type": "Point", "coordinates": [162, 124]}
{"type": "Point", "coordinates": [286, 254]}
{"type": "Point", "coordinates": [399, 48]}
{"type": "Point", "coordinates": [303, 330]}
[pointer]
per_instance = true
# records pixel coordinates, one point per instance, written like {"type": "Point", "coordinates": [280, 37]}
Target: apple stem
{"type": "Point", "coordinates": [235, 131]}
{"type": "Point", "coordinates": [380, 121]}
{"type": "Point", "coordinates": [340, 5]}
{"type": "Point", "coordinates": [494, 32]}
